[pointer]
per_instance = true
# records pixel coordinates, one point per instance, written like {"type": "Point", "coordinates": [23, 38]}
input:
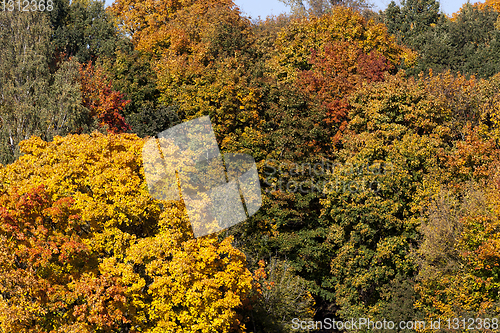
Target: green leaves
{"type": "Point", "coordinates": [379, 187]}
{"type": "Point", "coordinates": [467, 43]}
{"type": "Point", "coordinates": [83, 29]}
{"type": "Point", "coordinates": [411, 20]}
{"type": "Point", "coordinates": [36, 100]}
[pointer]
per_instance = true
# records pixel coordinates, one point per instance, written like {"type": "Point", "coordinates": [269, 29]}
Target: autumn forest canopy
{"type": "Point", "coordinates": [375, 134]}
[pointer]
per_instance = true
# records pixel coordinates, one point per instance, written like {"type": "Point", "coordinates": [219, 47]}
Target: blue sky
{"type": "Point", "coordinates": [255, 8]}
{"type": "Point", "coordinates": [267, 7]}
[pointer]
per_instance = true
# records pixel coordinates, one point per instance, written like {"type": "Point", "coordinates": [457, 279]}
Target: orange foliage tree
{"type": "Point", "coordinates": [204, 60]}
{"type": "Point", "coordinates": [295, 42]}
{"type": "Point", "coordinates": [316, 63]}
{"type": "Point", "coordinates": [458, 255]}
{"type": "Point", "coordinates": [45, 268]}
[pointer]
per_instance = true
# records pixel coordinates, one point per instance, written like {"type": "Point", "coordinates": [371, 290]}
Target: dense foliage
{"type": "Point", "coordinates": [376, 138]}
{"type": "Point", "coordinates": [85, 247]}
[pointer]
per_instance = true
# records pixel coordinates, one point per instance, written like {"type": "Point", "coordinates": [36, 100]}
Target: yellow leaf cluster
{"type": "Point", "coordinates": [142, 253]}
{"type": "Point", "coordinates": [295, 42]}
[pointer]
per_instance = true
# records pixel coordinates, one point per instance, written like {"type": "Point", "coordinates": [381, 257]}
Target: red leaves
{"type": "Point", "coordinates": [373, 66]}
{"type": "Point", "coordinates": [336, 72]}
{"type": "Point", "coordinates": [104, 103]}
{"type": "Point", "coordinates": [340, 69]}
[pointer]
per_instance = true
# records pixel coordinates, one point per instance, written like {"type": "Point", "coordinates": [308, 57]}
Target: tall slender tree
{"type": "Point", "coordinates": [34, 101]}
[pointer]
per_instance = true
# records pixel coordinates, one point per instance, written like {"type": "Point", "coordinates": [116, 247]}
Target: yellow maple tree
{"type": "Point", "coordinates": [143, 269]}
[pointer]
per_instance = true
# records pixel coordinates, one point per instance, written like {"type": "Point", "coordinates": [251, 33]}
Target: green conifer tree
{"type": "Point", "coordinates": [411, 20]}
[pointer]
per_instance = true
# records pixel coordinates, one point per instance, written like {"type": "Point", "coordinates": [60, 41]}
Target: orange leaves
{"type": "Point", "coordinates": [102, 173]}
{"type": "Point", "coordinates": [105, 104]}
{"type": "Point", "coordinates": [104, 303]}
{"type": "Point", "coordinates": [317, 63]}
{"type": "Point", "coordinates": [196, 283]}
{"type": "Point", "coordinates": [38, 248]}
{"type": "Point", "coordinates": [176, 27]}
{"type": "Point", "coordinates": [469, 282]}
{"type": "Point", "coordinates": [200, 56]}
{"type": "Point", "coordinates": [495, 4]}
{"type": "Point", "coordinates": [474, 158]}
